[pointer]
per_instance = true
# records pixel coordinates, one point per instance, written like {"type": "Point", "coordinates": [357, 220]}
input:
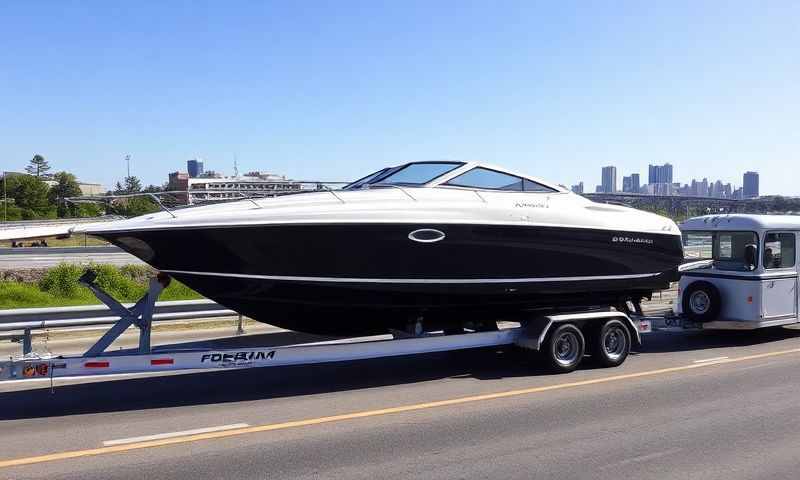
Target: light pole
{"type": "Point", "coordinates": [5, 197]}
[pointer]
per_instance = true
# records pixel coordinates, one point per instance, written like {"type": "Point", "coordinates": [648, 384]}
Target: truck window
{"type": "Point", "coordinates": [698, 245]}
{"type": "Point", "coordinates": [729, 249]}
{"type": "Point", "coordinates": [779, 250]}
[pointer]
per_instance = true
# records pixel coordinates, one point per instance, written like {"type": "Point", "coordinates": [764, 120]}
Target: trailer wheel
{"type": "Point", "coordinates": [564, 348]}
{"type": "Point", "coordinates": [611, 344]}
{"type": "Point", "coordinates": [701, 301]}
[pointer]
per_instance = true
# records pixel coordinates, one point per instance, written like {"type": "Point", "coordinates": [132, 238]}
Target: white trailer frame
{"type": "Point", "coordinates": [95, 361]}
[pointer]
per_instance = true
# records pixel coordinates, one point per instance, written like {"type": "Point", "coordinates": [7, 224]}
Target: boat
{"type": "Point", "coordinates": [429, 245]}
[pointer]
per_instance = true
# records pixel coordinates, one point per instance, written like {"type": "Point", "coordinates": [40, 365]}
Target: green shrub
{"type": "Point", "coordinates": [121, 287]}
{"type": "Point", "coordinates": [60, 287]}
{"type": "Point", "coordinates": [62, 280]}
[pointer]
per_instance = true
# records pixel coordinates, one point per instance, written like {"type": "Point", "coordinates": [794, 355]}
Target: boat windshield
{"type": "Point", "coordinates": [411, 174]}
{"type": "Point", "coordinates": [365, 180]}
{"type": "Point", "coordinates": [727, 249]}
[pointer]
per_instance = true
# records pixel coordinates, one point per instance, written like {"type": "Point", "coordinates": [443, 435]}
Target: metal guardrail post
{"type": "Point", "coordinates": [239, 328]}
{"type": "Point", "coordinates": [27, 346]}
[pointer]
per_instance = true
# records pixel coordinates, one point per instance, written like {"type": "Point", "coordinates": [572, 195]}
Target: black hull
{"type": "Point", "coordinates": [360, 279]}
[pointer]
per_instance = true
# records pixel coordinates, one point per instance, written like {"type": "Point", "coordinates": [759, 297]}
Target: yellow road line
{"type": "Point", "coordinates": [373, 413]}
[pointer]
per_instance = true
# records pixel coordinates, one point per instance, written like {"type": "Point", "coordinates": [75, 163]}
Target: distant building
{"type": "Point", "coordinates": [254, 184]}
{"type": "Point", "coordinates": [750, 185]}
{"type": "Point", "coordinates": [660, 173]}
{"type": "Point", "coordinates": [627, 184]}
{"type": "Point", "coordinates": [87, 188]}
{"type": "Point", "coordinates": [91, 189]}
{"type": "Point", "coordinates": [179, 182]}
{"type": "Point", "coordinates": [578, 188]}
{"type": "Point", "coordinates": [609, 182]}
{"type": "Point", "coordinates": [195, 168]}
{"type": "Point", "coordinates": [635, 183]}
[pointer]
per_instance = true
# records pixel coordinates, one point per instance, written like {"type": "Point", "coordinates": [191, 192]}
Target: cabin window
{"type": "Point", "coordinates": [729, 248]}
{"type": "Point", "coordinates": [484, 178]}
{"type": "Point", "coordinates": [725, 248]}
{"type": "Point", "coordinates": [416, 173]}
{"type": "Point", "coordinates": [531, 186]}
{"type": "Point", "coordinates": [698, 245]}
{"type": "Point", "coordinates": [779, 250]}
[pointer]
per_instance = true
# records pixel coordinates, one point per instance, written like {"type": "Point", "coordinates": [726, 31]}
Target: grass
{"type": "Point", "coordinates": [59, 287]}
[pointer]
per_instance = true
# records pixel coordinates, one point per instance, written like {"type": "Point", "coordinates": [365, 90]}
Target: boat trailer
{"type": "Point", "coordinates": [562, 339]}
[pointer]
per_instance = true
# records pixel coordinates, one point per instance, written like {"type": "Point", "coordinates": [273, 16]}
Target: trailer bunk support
{"type": "Point", "coordinates": [141, 314]}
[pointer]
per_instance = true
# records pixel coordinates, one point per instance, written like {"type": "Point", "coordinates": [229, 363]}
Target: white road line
{"type": "Point", "coordinates": [161, 436]}
{"type": "Point", "coordinates": [715, 359]}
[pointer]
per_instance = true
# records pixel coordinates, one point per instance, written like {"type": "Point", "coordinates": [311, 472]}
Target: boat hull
{"type": "Point", "coordinates": [367, 278]}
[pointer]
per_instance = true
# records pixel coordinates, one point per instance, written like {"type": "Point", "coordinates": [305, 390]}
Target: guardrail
{"type": "Point", "coordinates": [87, 315]}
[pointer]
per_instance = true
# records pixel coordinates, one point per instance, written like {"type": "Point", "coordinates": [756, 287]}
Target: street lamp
{"type": "Point", "coordinates": [5, 197]}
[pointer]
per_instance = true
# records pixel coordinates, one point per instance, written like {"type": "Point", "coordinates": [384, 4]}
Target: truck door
{"type": "Point", "coordinates": [779, 287]}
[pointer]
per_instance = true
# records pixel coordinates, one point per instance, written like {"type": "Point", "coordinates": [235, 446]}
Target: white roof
{"type": "Point", "coordinates": [742, 222]}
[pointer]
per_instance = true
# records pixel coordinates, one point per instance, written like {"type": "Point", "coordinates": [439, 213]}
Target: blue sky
{"type": "Point", "coordinates": [333, 90]}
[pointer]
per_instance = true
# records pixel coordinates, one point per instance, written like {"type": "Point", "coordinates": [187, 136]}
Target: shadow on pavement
{"type": "Point", "coordinates": [663, 342]}
{"type": "Point", "coordinates": [261, 383]}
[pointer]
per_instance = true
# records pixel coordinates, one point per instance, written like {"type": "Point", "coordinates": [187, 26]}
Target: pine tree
{"type": "Point", "coordinates": [38, 166]}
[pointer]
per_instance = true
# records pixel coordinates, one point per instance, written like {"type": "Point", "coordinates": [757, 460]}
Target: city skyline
{"type": "Point", "coordinates": [661, 182]}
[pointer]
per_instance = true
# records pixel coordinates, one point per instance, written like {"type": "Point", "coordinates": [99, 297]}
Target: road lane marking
{"type": "Point", "coordinates": [184, 433]}
{"type": "Point", "coordinates": [375, 413]}
{"type": "Point", "coordinates": [715, 359]}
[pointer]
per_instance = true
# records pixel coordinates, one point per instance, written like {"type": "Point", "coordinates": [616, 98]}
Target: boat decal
{"type": "Point", "coordinates": [290, 278]}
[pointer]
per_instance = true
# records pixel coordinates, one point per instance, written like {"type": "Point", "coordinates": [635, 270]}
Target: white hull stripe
{"type": "Point", "coordinates": [416, 280]}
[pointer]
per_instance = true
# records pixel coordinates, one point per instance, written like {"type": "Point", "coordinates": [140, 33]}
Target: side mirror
{"type": "Point", "coordinates": [751, 256]}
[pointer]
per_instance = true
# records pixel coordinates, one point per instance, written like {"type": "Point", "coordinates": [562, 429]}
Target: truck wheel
{"type": "Point", "coordinates": [701, 302]}
{"type": "Point", "coordinates": [563, 350]}
{"type": "Point", "coordinates": [612, 343]}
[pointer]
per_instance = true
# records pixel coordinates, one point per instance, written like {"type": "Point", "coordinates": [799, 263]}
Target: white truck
{"type": "Point", "coordinates": [749, 278]}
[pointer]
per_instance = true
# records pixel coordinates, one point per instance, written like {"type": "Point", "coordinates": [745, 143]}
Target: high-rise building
{"type": "Point", "coordinates": [195, 168]}
{"type": "Point", "coordinates": [750, 185]}
{"type": "Point", "coordinates": [659, 173]}
{"type": "Point", "coordinates": [627, 184]}
{"type": "Point", "coordinates": [609, 179]}
{"type": "Point", "coordinates": [578, 188]}
{"type": "Point", "coordinates": [635, 183]}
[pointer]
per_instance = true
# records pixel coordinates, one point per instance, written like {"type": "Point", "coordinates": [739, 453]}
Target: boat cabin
{"type": "Point", "coordinates": [751, 273]}
{"type": "Point", "coordinates": [451, 174]}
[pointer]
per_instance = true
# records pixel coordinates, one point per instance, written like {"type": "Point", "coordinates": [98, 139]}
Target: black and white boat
{"type": "Point", "coordinates": [449, 242]}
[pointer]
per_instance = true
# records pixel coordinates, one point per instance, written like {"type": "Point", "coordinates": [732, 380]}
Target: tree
{"type": "Point", "coordinates": [131, 185]}
{"type": "Point", "coordinates": [66, 186]}
{"type": "Point", "coordinates": [29, 194]}
{"type": "Point", "coordinates": [134, 206]}
{"type": "Point", "coordinates": [38, 166]}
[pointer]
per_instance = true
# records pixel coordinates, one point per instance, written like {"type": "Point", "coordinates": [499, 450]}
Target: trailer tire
{"type": "Point", "coordinates": [611, 344]}
{"type": "Point", "coordinates": [701, 301]}
{"type": "Point", "coordinates": [564, 348]}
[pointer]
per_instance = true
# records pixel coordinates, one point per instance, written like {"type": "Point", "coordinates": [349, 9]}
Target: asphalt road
{"type": "Point", "coordinates": [50, 257]}
{"type": "Point", "coordinates": [703, 405]}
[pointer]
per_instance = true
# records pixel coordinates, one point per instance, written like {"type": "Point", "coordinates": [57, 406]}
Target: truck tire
{"type": "Point", "coordinates": [611, 344]}
{"type": "Point", "coordinates": [701, 301]}
{"type": "Point", "coordinates": [563, 348]}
